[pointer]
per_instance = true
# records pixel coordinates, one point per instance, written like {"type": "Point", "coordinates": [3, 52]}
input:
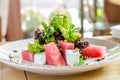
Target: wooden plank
{"type": "Point", "coordinates": [109, 72]}
{"type": "Point", "coordinates": [9, 73]}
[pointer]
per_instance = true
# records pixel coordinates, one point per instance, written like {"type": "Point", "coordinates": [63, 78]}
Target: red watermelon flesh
{"type": "Point", "coordinates": [65, 46]}
{"type": "Point", "coordinates": [60, 42]}
{"type": "Point", "coordinates": [28, 56]}
{"type": "Point", "coordinates": [53, 55]}
{"type": "Point", "coordinates": [94, 51]}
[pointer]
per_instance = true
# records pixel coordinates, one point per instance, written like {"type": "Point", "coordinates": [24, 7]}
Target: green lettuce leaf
{"type": "Point", "coordinates": [35, 47]}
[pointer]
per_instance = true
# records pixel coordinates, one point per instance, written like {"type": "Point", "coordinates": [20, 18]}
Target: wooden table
{"type": "Point", "coordinates": [109, 72]}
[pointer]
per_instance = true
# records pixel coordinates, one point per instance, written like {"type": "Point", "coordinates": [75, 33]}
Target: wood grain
{"type": "Point", "coordinates": [9, 73]}
{"type": "Point", "coordinates": [112, 11]}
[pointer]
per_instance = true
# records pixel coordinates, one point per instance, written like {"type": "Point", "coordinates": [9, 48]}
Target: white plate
{"type": "Point", "coordinates": [113, 50]}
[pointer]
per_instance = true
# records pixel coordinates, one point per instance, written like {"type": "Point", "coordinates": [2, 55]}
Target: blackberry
{"type": "Point", "coordinates": [39, 35]}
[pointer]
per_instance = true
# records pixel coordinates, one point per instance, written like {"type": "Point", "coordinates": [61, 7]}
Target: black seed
{"type": "Point", "coordinates": [100, 59]}
{"type": "Point", "coordinates": [15, 51]}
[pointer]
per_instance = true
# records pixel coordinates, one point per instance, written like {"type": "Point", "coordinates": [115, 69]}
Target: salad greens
{"type": "Point", "coordinates": [60, 23]}
{"type": "Point", "coordinates": [59, 28]}
{"type": "Point", "coordinates": [48, 33]}
{"type": "Point", "coordinates": [63, 23]}
{"type": "Point", "coordinates": [50, 39]}
{"type": "Point", "coordinates": [35, 47]}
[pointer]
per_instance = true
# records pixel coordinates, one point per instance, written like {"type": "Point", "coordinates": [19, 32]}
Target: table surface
{"type": "Point", "coordinates": [109, 72]}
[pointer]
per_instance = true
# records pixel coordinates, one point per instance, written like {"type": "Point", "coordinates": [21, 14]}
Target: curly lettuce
{"type": "Point", "coordinates": [63, 23]}
{"type": "Point", "coordinates": [35, 47]}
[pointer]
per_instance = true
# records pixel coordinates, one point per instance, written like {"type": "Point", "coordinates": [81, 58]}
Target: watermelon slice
{"type": "Point", "coordinates": [28, 56]}
{"type": "Point", "coordinates": [65, 46]}
{"type": "Point", "coordinates": [94, 51]}
{"type": "Point", "coordinates": [53, 55]}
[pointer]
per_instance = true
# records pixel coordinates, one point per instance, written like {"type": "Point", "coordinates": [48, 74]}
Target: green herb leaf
{"type": "Point", "coordinates": [50, 39]}
{"type": "Point", "coordinates": [81, 62]}
{"type": "Point", "coordinates": [44, 25]}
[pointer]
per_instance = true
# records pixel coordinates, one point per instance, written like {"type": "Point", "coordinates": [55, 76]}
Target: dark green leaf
{"type": "Point", "coordinates": [81, 62]}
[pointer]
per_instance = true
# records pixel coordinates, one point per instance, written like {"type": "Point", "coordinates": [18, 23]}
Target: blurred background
{"type": "Point", "coordinates": [18, 18]}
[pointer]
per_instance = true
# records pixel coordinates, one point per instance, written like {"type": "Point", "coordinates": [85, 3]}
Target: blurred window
{"type": "Point", "coordinates": [35, 11]}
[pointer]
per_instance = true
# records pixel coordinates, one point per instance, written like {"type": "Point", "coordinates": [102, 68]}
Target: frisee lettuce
{"type": "Point", "coordinates": [50, 39]}
{"type": "Point", "coordinates": [35, 47]}
{"type": "Point", "coordinates": [63, 23]}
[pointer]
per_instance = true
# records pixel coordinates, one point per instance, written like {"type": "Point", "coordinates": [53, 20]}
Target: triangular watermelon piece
{"type": "Point", "coordinates": [53, 55]}
{"type": "Point", "coordinates": [65, 46]}
{"type": "Point", "coordinates": [94, 51]}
